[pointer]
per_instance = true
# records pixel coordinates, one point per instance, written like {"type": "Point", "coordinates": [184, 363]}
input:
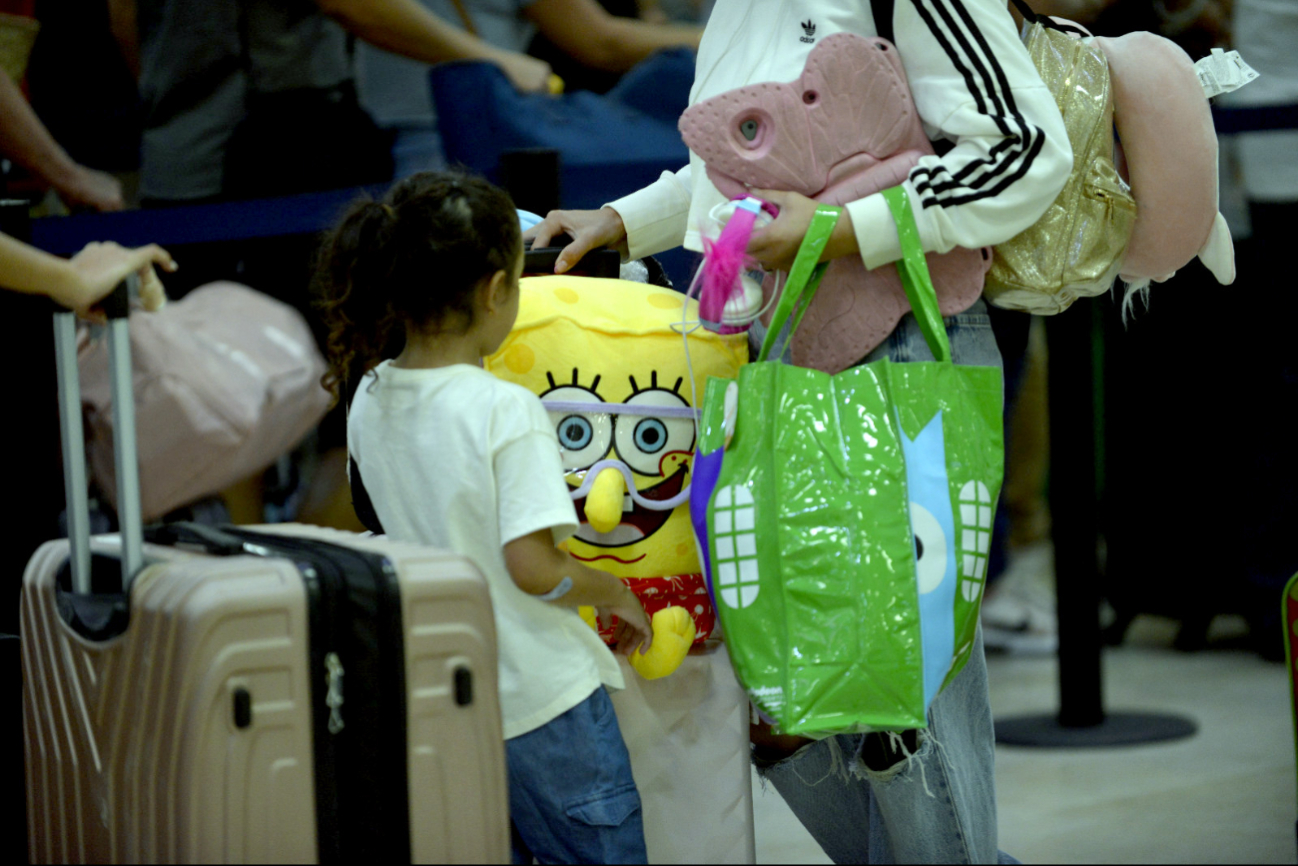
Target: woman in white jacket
{"type": "Point", "coordinates": [926, 796]}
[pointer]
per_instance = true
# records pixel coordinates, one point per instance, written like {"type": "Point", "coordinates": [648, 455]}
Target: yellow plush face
{"type": "Point", "coordinates": [604, 357]}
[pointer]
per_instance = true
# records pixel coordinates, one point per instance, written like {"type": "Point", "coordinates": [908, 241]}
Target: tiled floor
{"type": "Point", "coordinates": [1225, 795]}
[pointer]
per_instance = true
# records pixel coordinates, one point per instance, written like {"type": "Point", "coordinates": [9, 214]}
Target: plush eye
{"type": "Point", "coordinates": [930, 548]}
{"type": "Point", "coordinates": [650, 435]}
{"type": "Point", "coordinates": [643, 440]}
{"type": "Point", "coordinates": [584, 437]}
{"type": "Point", "coordinates": [575, 432]}
{"type": "Point", "coordinates": [748, 129]}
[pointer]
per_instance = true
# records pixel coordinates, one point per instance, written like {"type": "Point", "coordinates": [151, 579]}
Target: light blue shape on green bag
{"type": "Point", "coordinates": [933, 523]}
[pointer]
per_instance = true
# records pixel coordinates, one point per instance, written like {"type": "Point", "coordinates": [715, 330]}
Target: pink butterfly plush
{"type": "Point", "coordinates": [845, 129]}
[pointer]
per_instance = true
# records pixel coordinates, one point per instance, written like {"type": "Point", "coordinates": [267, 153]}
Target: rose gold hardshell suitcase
{"type": "Point", "coordinates": [288, 694]}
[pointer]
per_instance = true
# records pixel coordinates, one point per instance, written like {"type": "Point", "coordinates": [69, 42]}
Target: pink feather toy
{"type": "Point", "coordinates": [723, 302]}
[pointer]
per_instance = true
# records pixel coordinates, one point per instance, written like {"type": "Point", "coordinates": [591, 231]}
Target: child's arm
{"type": "Point", "coordinates": [539, 568]}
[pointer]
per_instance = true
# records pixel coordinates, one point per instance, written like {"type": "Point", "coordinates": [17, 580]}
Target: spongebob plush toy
{"type": "Point", "coordinates": [607, 357]}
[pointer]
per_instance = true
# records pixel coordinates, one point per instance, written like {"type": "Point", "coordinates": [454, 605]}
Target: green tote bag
{"type": "Point", "coordinates": [844, 520]}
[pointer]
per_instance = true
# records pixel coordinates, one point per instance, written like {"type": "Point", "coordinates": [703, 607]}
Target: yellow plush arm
{"type": "Point", "coordinates": [673, 635]}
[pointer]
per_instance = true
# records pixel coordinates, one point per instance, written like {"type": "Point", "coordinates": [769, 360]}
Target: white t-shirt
{"type": "Point", "coordinates": [456, 458]}
{"type": "Point", "coordinates": [973, 83]}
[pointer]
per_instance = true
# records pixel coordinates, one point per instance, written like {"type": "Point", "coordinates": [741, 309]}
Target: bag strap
{"type": "Point", "coordinates": [882, 11]}
{"type": "Point", "coordinates": [804, 276]}
{"type": "Point", "coordinates": [361, 502]}
{"type": "Point", "coordinates": [1025, 10]}
{"type": "Point", "coordinates": [913, 270]}
{"type": "Point", "coordinates": [1045, 20]}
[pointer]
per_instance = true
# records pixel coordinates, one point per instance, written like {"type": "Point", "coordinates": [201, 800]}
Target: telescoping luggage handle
{"type": "Point", "coordinates": [117, 307]}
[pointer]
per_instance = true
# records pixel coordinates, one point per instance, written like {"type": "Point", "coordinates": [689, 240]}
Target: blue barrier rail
{"type": "Point", "coordinates": [1254, 118]}
{"type": "Point", "coordinates": [316, 211]}
{"type": "Point", "coordinates": [200, 223]}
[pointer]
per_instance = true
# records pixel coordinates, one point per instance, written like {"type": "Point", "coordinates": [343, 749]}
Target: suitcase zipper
{"type": "Point", "coordinates": [334, 692]}
{"type": "Point", "coordinates": [322, 603]}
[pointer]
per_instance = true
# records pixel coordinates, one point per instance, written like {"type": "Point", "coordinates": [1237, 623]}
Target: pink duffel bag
{"type": "Point", "coordinates": [226, 380]}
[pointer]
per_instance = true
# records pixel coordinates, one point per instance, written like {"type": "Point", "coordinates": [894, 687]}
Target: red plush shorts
{"type": "Point", "coordinates": [682, 590]}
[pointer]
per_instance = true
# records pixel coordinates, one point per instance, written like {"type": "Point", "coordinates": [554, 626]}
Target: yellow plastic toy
{"type": "Point", "coordinates": [607, 358]}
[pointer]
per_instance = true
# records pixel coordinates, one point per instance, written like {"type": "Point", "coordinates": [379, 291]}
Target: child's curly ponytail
{"type": "Point", "coordinates": [412, 258]}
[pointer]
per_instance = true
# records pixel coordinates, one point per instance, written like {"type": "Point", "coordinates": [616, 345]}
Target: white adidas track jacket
{"type": "Point", "coordinates": [973, 84]}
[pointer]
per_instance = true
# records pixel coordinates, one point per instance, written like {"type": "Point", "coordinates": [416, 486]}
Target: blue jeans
{"type": "Point", "coordinates": [939, 806]}
{"type": "Point", "coordinates": [571, 795]}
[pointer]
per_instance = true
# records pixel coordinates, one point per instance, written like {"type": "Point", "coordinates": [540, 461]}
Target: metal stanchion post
{"type": "Point", "coordinates": [1074, 360]}
{"type": "Point", "coordinates": [1072, 339]}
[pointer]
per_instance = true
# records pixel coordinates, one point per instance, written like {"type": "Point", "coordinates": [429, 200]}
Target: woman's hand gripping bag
{"type": "Point", "coordinates": [845, 519]}
{"type": "Point", "coordinates": [607, 358]}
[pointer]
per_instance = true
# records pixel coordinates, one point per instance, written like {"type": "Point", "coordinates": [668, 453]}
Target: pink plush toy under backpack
{"type": "Point", "coordinates": [1168, 153]}
{"type": "Point", "coordinates": [1166, 149]}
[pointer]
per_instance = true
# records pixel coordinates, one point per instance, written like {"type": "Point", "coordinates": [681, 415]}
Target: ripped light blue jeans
{"type": "Point", "coordinates": [939, 805]}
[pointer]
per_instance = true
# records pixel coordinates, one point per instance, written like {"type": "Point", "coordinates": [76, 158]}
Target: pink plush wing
{"type": "Point", "coordinates": [861, 105]}
{"type": "Point", "coordinates": [851, 101]}
{"type": "Point", "coordinates": [856, 309]}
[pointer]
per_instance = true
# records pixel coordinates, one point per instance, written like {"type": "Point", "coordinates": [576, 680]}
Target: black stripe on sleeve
{"type": "Point", "coordinates": [993, 90]}
{"type": "Point", "coordinates": [1018, 139]}
{"type": "Point", "coordinates": [989, 87]}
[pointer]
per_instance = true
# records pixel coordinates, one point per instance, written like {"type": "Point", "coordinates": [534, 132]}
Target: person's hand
{"type": "Point", "coordinates": [633, 628]}
{"type": "Point", "coordinates": [589, 230]}
{"type": "Point", "coordinates": [99, 267]}
{"type": "Point", "coordinates": [776, 246]}
{"type": "Point", "coordinates": [86, 187]}
{"type": "Point", "coordinates": [527, 74]}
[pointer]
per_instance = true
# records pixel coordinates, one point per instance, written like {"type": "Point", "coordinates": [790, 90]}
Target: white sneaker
{"type": "Point", "coordinates": [1019, 614]}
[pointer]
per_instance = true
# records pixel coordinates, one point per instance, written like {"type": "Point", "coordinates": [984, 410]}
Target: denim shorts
{"type": "Point", "coordinates": [572, 798]}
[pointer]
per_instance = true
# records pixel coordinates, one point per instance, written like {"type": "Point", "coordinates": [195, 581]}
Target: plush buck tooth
{"type": "Point", "coordinates": [627, 503]}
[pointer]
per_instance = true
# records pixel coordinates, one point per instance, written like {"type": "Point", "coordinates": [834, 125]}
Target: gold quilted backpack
{"type": "Point", "coordinates": [1076, 248]}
